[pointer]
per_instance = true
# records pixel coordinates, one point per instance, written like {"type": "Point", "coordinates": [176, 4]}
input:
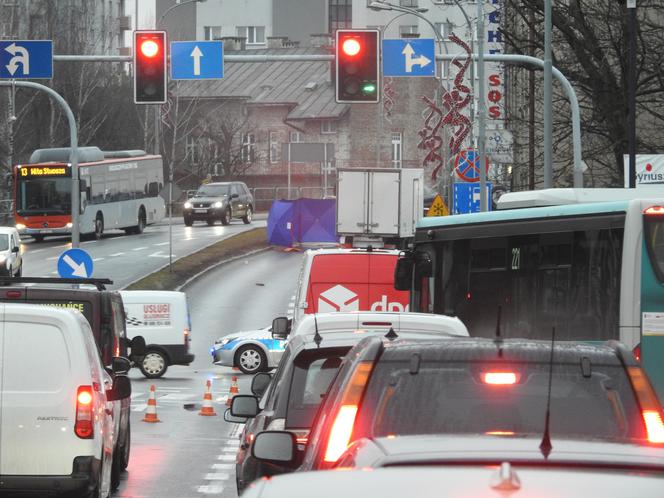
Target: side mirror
{"type": "Point", "coordinates": [137, 346]}
{"type": "Point", "coordinates": [121, 388]}
{"type": "Point", "coordinates": [403, 272]}
{"type": "Point", "coordinates": [259, 383]}
{"type": "Point", "coordinates": [280, 327]}
{"type": "Point", "coordinates": [15, 249]}
{"type": "Point", "coordinates": [244, 405]}
{"type": "Point", "coordinates": [234, 196]}
{"type": "Point", "coordinates": [233, 420]}
{"type": "Point", "coordinates": [120, 365]}
{"type": "Point", "coordinates": [275, 446]}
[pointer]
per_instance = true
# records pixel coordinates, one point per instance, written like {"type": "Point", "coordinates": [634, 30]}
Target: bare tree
{"type": "Point", "coordinates": [590, 48]}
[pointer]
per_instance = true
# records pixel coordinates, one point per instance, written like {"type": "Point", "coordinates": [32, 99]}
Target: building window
{"type": "Point", "coordinates": [295, 136]}
{"type": "Point", "coordinates": [340, 14]}
{"type": "Point", "coordinates": [408, 3]}
{"type": "Point", "coordinates": [275, 155]}
{"type": "Point", "coordinates": [396, 149]}
{"type": "Point", "coordinates": [191, 149]}
{"type": "Point", "coordinates": [328, 126]}
{"type": "Point", "coordinates": [255, 35]}
{"type": "Point", "coordinates": [445, 29]}
{"type": "Point", "coordinates": [248, 147]}
{"type": "Point", "coordinates": [405, 29]}
{"type": "Point", "coordinates": [212, 32]}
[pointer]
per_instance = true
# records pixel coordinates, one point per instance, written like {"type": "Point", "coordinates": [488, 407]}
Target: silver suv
{"type": "Point", "coordinates": [221, 201]}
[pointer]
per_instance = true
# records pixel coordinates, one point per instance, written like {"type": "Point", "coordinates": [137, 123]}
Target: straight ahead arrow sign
{"type": "Point", "coordinates": [197, 54]}
{"type": "Point", "coordinates": [411, 61]}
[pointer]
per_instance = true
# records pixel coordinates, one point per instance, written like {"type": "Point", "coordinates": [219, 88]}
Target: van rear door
{"type": "Point", "coordinates": [338, 282]}
{"type": "Point", "coordinates": [382, 294]}
{"type": "Point", "coordinates": [38, 405]}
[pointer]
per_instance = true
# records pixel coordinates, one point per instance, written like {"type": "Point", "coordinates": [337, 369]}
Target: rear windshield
{"type": "Point", "coordinates": [454, 398]}
{"type": "Point", "coordinates": [313, 371]}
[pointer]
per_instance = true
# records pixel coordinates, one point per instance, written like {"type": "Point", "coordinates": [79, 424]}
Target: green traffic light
{"type": "Point", "coordinates": [369, 88]}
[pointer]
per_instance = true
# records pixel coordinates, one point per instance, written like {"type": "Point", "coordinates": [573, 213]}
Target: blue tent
{"type": "Point", "coordinates": [302, 220]}
{"type": "Point", "coordinates": [280, 223]}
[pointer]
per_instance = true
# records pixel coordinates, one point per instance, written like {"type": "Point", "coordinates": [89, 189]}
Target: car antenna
{"type": "Point", "coordinates": [391, 335]}
{"type": "Point", "coordinates": [545, 445]}
{"type": "Point", "coordinates": [498, 341]}
{"type": "Point", "coordinates": [317, 337]}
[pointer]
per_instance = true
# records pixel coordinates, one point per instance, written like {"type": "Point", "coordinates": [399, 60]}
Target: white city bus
{"type": "Point", "coordinates": [119, 190]}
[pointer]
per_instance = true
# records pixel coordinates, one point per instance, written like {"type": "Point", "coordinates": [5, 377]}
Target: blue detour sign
{"type": "Point", "coordinates": [26, 59]}
{"type": "Point", "coordinates": [197, 60]}
{"type": "Point", "coordinates": [409, 57]}
{"type": "Point", "coordinates": [467, 197]}
{"type": "Point", "coordinates": [75, 263]}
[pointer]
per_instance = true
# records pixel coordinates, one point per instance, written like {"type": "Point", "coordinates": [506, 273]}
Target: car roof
{"type": "Point", "coordinates": [449, 481]}
{"type": "Point", "coordinates": [482, 349]}
{"type": "Point", "coordinates": [7, 230]}
{"type": "Point", "coordinates": [440, 449]}
{"type": "Point", "coordinates": [361, 320]}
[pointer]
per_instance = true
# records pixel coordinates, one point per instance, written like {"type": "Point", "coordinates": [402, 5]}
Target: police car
{"type": "Point", "coordinates": [251, 351]}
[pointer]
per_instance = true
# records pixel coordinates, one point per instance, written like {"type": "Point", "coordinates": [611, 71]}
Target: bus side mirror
{"type": "Point", "coordinates": [403, 272]}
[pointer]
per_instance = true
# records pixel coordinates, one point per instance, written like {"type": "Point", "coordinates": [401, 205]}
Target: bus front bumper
{"type": "Point", "coordinates": [65, 230]}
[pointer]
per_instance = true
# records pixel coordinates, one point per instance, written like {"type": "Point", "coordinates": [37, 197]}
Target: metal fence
{"type": "Point", "coordinates": [264, 196]}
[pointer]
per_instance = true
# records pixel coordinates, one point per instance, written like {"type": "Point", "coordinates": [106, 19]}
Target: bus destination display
{"type": "Point", "coordinates": [33, 171]}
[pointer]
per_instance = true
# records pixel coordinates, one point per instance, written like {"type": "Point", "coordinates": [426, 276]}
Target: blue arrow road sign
{"type": "Point", "coordinates": [26, 59]}
{"type": "Point", "coordinates": [197, 60]}
{"type": "Point", "coordinates": [75, 263]}
{"type": "Point", "coordinates": [467, 197]}
{"type": "Point", "coordinates": [409, 57]}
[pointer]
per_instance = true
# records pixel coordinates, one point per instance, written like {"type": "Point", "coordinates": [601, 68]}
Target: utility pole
{"type": "Point", "coordinates": [481, 108]}
{"type": "Point", "coordinates": [548, 97]}
{"type": "Point", "coordinates": [631, 91]}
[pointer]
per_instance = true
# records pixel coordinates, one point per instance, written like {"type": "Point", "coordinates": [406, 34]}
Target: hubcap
{"type": "Point", "coordinates": [250, 359]}
{"type": "Point", "coordinates": [249, 214]}
{"type": "Point", "coordinates": [153, 363]}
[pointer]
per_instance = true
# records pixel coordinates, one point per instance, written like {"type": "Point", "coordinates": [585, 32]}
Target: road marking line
{"type": "Point", "coordinates": [229, 449]}
{"type": "Point", "coordinates": [117, 254]}
{"type": "Point", "coordinates": [54, 273]}
{"type": "Point", "coordinates": [139, 248]}
{"type": "Point", "coordinates": [226, 458]}
{"type": "Point", "coordinates": [88, 242]}
{"type": "Point", "coordinates": [139, 408]}
{"type": "Point", "coordinates": [175, 397]}
{"type": "Point", "coordinates": [97, 259]}
{"type": "Point", "coordinates": [52, 258]}
{"type": "Point", "coordinates": [223, 466]}
{"type": "Point", "coordinates": [213, 489]}
{"type": "Point", "coordinates": [35, 251]}
{"type": "Point", "coordinates": [217, 477]}
{"type": "Point", "coordinates": [161, 244]}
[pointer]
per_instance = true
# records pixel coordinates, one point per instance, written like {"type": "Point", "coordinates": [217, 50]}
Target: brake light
{"type": "Point", "coordinates": [654, 211]}
{"type": "Point", "coordinates": [650, 407]}
{"type": "Point", "coordinates": [637, 352]}
{"type": "Point", "coordinates": [499, 378]}
{"type": "Point", "coordinates": [13, 294]}
{"type": "Point", "coordinates": [186, 338]}
{"type": "Point", "coordinates": [499, 433]}
{"type": "Point", "coordinates": [83, 426]}
{"type": "Point", "coordinates": [342, 427]}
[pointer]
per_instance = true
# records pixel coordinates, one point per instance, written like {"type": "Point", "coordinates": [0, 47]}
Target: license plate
{"type": "Point", "coordinates": [45, 231]}
{"type": "Point", "coordinates": [200, 210]}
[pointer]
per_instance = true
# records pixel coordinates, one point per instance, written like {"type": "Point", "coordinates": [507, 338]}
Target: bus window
{"type": "Point", "coordinates": [153, 189]}
{"type": "Point", "coordinates": [654, 232]}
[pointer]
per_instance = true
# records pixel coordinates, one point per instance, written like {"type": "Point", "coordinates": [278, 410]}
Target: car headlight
{"type": "Point", "coordinates": [69, 225]}
{"type": "Point", "coordinates": [224, 341]}
{"type": "Point", "coordinates": [187, 205]}
{"type": "Point", "coordinates": [20, 226]}
{"type": "Point", "coordinates": [218, 204]}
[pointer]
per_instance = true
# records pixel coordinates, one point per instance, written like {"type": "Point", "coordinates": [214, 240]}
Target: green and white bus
{"type": "Point", "coordinates": [588, 261]}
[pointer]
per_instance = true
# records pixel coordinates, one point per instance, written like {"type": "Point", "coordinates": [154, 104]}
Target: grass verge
{"type": "Point", "coordinates": [185, 267]}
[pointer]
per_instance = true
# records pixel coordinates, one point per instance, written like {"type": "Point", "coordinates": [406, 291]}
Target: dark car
{"type": "Point", "coordinates": [479, 387]}
{"type": "Point", "coordinates": [104, 310]}
{"type": "Point", "coordinates": [221, 201]}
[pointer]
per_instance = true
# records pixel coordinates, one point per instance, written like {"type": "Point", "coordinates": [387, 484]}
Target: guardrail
{"type": "Point", "coordinates": [265, 196]}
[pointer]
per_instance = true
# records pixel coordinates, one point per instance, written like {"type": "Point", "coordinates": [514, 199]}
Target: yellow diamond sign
{"type": "Point", "coordinates": [438, 207]}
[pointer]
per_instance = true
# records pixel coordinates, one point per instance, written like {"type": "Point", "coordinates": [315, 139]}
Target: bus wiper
{"type": "Point", "coordinates": [545, 445]}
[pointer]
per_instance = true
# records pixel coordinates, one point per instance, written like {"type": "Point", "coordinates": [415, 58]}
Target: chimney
{"type": "Point", "coordinates": [321, 40]}
{"type": "Point", "coordinates": [233, 43]}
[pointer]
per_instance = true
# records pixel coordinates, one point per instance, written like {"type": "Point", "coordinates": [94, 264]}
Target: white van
{"type": "Point", "coordinates": [162, 319]}
{"type": "Point", "coordinates": [56, 420]}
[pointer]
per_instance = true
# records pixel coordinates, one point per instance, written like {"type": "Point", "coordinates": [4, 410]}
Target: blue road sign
{"type": "Point", "coordinates": [467, 197]}
{"type": "Point", "coordinates": [467, 165]}
{"type": "Point", "coordinates": [409, 57]}
{"type": "Point", "coordinates": [26, 59]}
{"type": "Point", "coordinates": [197, 60]}
{"type": "Point", "coordinates": [75, 263]}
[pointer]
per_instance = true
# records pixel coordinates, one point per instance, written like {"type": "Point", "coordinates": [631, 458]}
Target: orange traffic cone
{"type": "Point", "coordinates": [151, 412]}
{"type": "Point", "coordinates": [207, 410]}
{"type": "Point", "coordinates": [232, 391]}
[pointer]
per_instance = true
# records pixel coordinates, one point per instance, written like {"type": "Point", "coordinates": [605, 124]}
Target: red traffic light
{"type": "Point", "coordinates": [351, 47]}
{"type": "Point", "coordinates": [149, 48]}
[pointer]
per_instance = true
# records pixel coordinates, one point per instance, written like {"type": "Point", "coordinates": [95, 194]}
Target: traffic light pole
{"type": "Point", "coordinates": [73, 152]}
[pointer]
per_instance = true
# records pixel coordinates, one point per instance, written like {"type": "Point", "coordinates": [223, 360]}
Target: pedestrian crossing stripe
{"type": "Point", "coordinates": [438, 207]}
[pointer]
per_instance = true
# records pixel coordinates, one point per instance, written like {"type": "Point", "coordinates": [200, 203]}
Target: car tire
{"type": "Point", "coordinates": [19, 273]}
{"type": "Point", "coordinates": [210, 221]}
{"type": "Point", "coordinates": [251, 359]}
{"type": "Point", "coordinates": [99, 227]}
{"type": "Point", "coordinates": [116, 469]}
{"type": "Point", "coordinates": [226, 217]}
{"type": "Point", "coordinates": [247, 216]}
{"type": "Point", "coordinates": [188, 221]}
{"type": "Point", "coordinates": [125, 449]}
{"type": "Point", "coordinates": [154, 364]}
{"type": "Point", "coordinates": [38, 238]}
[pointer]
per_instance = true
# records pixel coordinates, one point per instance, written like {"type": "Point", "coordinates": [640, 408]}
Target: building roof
{"type": "Point", "coordinates": [305, 86]}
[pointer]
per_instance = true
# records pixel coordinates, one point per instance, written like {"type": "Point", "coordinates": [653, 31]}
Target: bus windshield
{"type": "Point", "coordinates": [43, 195]}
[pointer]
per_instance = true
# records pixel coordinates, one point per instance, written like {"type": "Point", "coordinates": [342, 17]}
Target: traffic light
{"type": "Point", "coordinates": [149, 67]}
{"type": "Point", "coordinates": [357, 66]}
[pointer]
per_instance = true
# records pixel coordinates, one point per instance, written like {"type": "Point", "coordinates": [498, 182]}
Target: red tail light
{"type": "Point", "coordinates": [499, 378]}
{"type": "Point", "coordinates": [186, 338]}
{"type": "Point", "coordinates": [84, 427]}
{"type": "Point", "coordinates": [651, 410]}
{"type": "Point", "coordinates": [637, 352]}
{"type": "Point", "coordinates": [654, 211]}
{"type": "Point", "coordinates": [342, 427]}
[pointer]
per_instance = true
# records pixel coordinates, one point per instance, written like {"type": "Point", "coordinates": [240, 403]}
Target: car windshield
{"type": "Point", "coordinates": [4, 242]}
{"type": "Point", "coordinates": [212, 191]}
{"type": "Point", "coordinates": [313, 372]}
{"type": "Point", "coordinates": [459, 398]}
